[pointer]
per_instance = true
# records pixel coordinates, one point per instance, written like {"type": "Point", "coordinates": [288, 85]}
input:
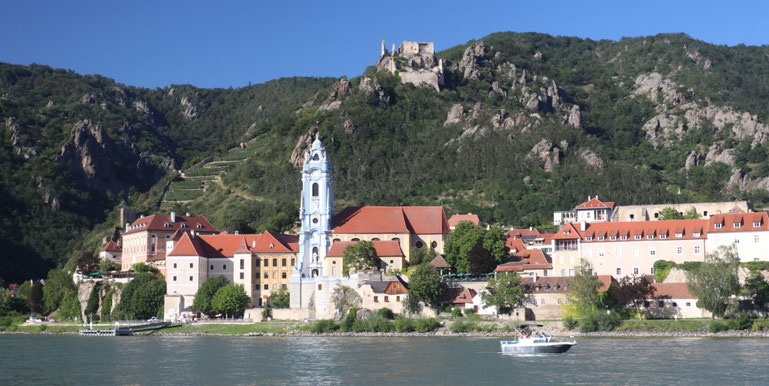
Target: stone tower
{"type": "Point", "coordinates": [316, 210]}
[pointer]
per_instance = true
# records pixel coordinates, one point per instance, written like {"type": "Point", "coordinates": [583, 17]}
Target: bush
{"type": "Point", "coordinates": [739, 321]}
{"type": "Point", "coordinates": [360, 325]}
{"type": "Point", "coordinates": [456, 312]}
{"type": "Point", "coordinates": [378, 323]}
{"type": "Point", "coordinates": [350, 319]}
{"type": "Point", "coordinates": [266, 313]}
{"type": "Point", "coordinates": [463, 326]}
{"type": "Point", "coordinates": [599, 321]}
{"type": "Point", "coordinates": [386, 313]}
{"type": "Point", "coordinates": [404, 324]}
{"type": "Point", "coordinates": [426, 324]}
{"type": "Point", "coordinates": [717, 326]}
{"type": "Point", "coordinates": [570, 323]}
{"type": "Point", "coordinates": [323, 326]}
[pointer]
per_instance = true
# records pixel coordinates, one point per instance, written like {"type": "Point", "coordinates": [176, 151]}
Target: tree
{"type": "Point", "coordinates": [141, 267]}
{"type": "Point", "coordinates": [716, 280]}
{"type": "Point", "coordinates": [670, 214]}
{"type": "Point", "coordinates": [359, 256]}
{"type": "Point", "coordinates": [412, 305]}
{"type": "Point", "coordinates": [279, 299]}
{"type": "Point", "coordinates": [106, 265]}
{"type": "Point", "coordinates": [147, 300]}
{"type": "Point", "coordinates": [92, 306]}
{"type": "Point", "coordinates": [467, 236]}
{"type": "Point", "coordinates": [70, 306]}
{"type": "Point", "coordinates": [426, 285]}
{"type": "Point", "coordinates": [691, 214]}
{"type": "Point", "coordinates": [56, 286]}
{"type": "Point", "coordinates": [495, 241]}
{"type": "Point", "coordinates": [88, 262]}
{"type": "Point", "coordinates": [756, 289]}
{"type": "Point", "coordinates": [35, 298]}
{"type": "Point", "coordinates": [505, 292]}
{"type": "Point", "coordinates": [421, 255]}
{"type": "Point", "coordinates": [230, 300]}
{"type": "Point", "coordinates": [204, 296]}
{"type": "Point", "coordinates": [662, 269]}
{"type": "Point", "coordinates": [632, 290]}
{"type": "Point", "coordinates": [480, 260]}
{"type": "Point", "coordinates": [583, 289]}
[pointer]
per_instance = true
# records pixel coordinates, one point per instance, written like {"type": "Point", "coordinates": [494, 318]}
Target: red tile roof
{"type": "Point", "coordinates": [457, 218]}
{"type": "Point", "coordinates": [383, 248]}
{"type": "Point", "coordinates": [559, 283]}
{"type": "Point", "coordinates": [392, 219]}
{"type": "Point", "coordinates": [187, 246]}
{"type": "Point", "coordinates": [529, 259]}
{"type": "Point", "coordinates": [226, 245]}
{"type": "Point", "coordinates": [567, 232]}
{"type": "Point", "coordinates": [458, 295]}
{"type": "Point", "coordinates": [516, 244]}
{"type": "Point", "coordinates": [521, 233]}
{"type": "Point", "coordinates": [671, 291]}
{"type": "Point", "coordinates": [595, 203]}
{"type": "Point", "coordinates": [111, 246]}
{"type": "Point", "coordinates": [162, 222]}
{"type": "Point", "coordinates": [439, 262]}
{"type": "Point", "coordinates": [644, 229]}
{"type": "Point", "coordinates": [745, 220]}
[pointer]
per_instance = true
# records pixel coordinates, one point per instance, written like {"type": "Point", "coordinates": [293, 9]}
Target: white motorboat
{"type": "Point", "coordinates": [534, 342]}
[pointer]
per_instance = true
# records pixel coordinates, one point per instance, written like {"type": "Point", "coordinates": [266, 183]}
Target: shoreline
{"type": "Point", "coordinates": [443, 334]}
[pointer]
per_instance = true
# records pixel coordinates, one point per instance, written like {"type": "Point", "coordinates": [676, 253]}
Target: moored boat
{"type": "Point", "coordinates": [532, 342]}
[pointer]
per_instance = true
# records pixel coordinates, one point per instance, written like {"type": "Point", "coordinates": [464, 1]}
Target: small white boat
{"type": "Point", "coordinates": [534, 343]}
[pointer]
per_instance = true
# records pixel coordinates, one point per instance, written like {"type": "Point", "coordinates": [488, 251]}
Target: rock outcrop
{"type": "Point", "coordinates": [189, 111]}
{"type": "Point", "coordinates": [334, 101]}
{"type": "Point", "coordinates": [372, 87]}
{"type": "Point", "coordinates": [591, 158]}
{"type": "Point", "coordinates": [547, 154]}
{"type": "Point", "coordinates": [21, 145]}
{"type": "Point", "coordinates": [297, 155]}
{"type": "Point", "coordinates": [455, 115]}
{"type": "Point", "coordinates": [471, 60]}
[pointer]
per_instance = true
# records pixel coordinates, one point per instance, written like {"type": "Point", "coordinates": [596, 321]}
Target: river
{"type": "Point", "coordinates": [66, 359]}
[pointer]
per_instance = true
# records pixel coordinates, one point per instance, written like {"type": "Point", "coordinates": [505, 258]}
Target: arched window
{"type": "Point", "coordinates": [434, 244]}
{"type": "Point", "coordinates": [419, 244]}
{"type": "Point", "coordinates": [315, 157]}
{"type": "Point", "coordinates": [315, 189]}
{"type": "Point", "coordinates": [337, 240]}
{"type": "Point", "coordinates": [355, 239]}
{"type": "Point", "coordinates": [375, 239]}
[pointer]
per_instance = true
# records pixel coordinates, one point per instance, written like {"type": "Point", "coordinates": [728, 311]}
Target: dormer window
{"type": "Point", "coordinates": [696, 234]}
{"type": "Point", "coordinates": [719, 225]}
{"type": "Point", "coordinates": [566, 233]}
{"type": "Point", "coordinates": [612, 237]}
{"type": "Point", "coordinates": [756, 224]}
{"type": "Point", "coordinates": [184, 225]}
{"type": "Point", "coordinates": [166, 225]}
{"type": "Point", "coordinates": [737, 224]}
{"type": "Point", "coordinates": [272, 245]}
{"type": "Point", "coordinates": [638, 237]}
{"type": "Point", "coordinates": [650, 237]}
{"type": "Point", "coordinates": [679, 235]}
{"type": "Point", "coordinates": [623, 237]}
{"type": "Point", "coordinates": [663, 237]}
{"type": "Point", "coordinates": [600, 238]}
{"type": "Point", "coordinates": [199, 226]}
{"type": "Point", "coordinates": [589, 238]}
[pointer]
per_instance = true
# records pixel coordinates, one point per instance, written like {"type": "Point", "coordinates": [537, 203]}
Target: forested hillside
{"type": "Point", "coordinates": [525, 124]}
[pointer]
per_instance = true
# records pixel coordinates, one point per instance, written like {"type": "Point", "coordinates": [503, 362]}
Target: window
{"type": "Point", "coordinates": [560, 259]}
{"type": "Point", "coordinates": [558, 301]}
{"type": "Point", "coordinates": [375, 239]}
{"type": "Point", "coordinates": [199, 226]}
{"type": "Point", "coordinates": [656, 215]}
{"type": "Point", "coordinates": [719, 225]}
{"type": "Point", "coordinates": [571, 272]}
{"type": "Point", "coordinates": [588, 252]}
{"type": "Point", "coordinates": [266, 262]}
{"type": "Point", "coordinates": [174, 265]}
{"type": "Point", "coordinates": [242, 264]}
{"type": "Point", "coordinates": [376, 299]}
{"type": "Point", "coordinates": [315, 189]}
{"type": "Point", "coordinates": [675, 304]}
{"type": "Point", "coordinates": [266, 286]}
{"type": "Point", "coordinates": [697, 249]}
{"type": "Point", "coordinates": [612, 238]}
{"type": "Point", "coordinates": [566, 233]}
{"type": "Point", "coordinates": [212, 267]}
{"type": "Point", "coordinates": [292, 262]}
{"type": "Point", "coordinates": [542, 301]}
{"type": "Point", "coordinates": [661, 304]}
{"type": "Point", "coordinates": [617, 252]}
{"type": "Point", "coordinates": [637, 237]}
{"type": "Point", "coordinates": [397, 298]}
{"type": "Point", "coordinates": [756, 224]}
{"type": "Point", "coordinates": [266, 275]}
{"type": "Point", "coordinates": [434, 244]}
{"type": "Point", "coordinates": [355, 239]}
{"type": "Point", "coordinates": [635, 252]}
{"type": "Point", "coordinates": [646, 304]}
{"type": "Point", "coordinates": [601, 253]}
{"type": "Point", "coordinates": [315, 157]}
{"type": "Point", "coordinates": [623, 237]}
{"type": "Point", "coordinates": [283, 276]}
{"type": "Point", "coordinates": [571, 259]}
{"type": "Point", "coordinates": [652, 252]}
{"type": "Point", "coordinates": [589, 238]}
{"type": "Point", "coordinates": [679, 235]}
{"type": "Point", "coordinates": [696, 234]}
{"type": "Point", "coordinates": [386, 299]}
{"type": "Point", "coordinates": [190, 278]}
{"type": "Point", "coordinates": [191, 265]}
{"type": "Point", "coordinates": [174, 278]}
{"type": "Point", "coordinates": [619, 271]}
{"type": "Point", "coordinates": [567, 301]}
{"type": "Point", "coordinates": [650, 237]}
{"type": "Point", "coordinates": [274, 262]}
{"type": "Point", "coordinates": [680, 250]}
{"type": "Point", "coordinates": [651, 271]}
{"type": "Point", "coordinates": [242, 276]}
{"type": "Point", "coordinates": [419, 244]}
{"type": "Point", "coordinates": [705, 213]}
{"type": "Point", "coordinates": [563, 271]}
{"type": "Point", "coordinates": [635, 270]}
{"type": "Point", "coordinates": [600, 238]}
{"type": "Point", "coordinates": [737, 225]}
{"type": "Point", "coordinates": [631, 217]}
{"type": "Point", "coordinates": [283, 262]}
{"type": "Point", "coordinates": [736, 240]}
{"type": "Point", "coordinates": [688, 304]}
{"type": "Point", "coordinates": [224, 267]}
{"type": "Point", "coordinates": [663, 237]}
{"type": "Point", "coordinates": [756, 238]}
{"type": "Point", "coordinates": [320, 287]}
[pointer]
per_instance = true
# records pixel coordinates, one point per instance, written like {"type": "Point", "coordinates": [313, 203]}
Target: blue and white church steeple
{"type": "Point", "coordinates": [316, 210]}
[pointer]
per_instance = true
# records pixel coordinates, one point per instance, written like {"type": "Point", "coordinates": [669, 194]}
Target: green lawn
{"type": "Point", "coordinates": [274, 326]}
{"type": "Point", "coordinates": [664, 325]}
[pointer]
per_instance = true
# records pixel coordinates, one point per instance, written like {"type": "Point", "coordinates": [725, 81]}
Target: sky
{"type": "Point", "coordinates": [234, 43]}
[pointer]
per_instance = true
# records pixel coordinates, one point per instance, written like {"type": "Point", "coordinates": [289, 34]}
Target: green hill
{"type": "Point", "coordinates": [525, 124]}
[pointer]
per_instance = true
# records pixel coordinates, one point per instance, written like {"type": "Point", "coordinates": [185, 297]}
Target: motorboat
{"type": "Point", "coordinates": [529, 341]}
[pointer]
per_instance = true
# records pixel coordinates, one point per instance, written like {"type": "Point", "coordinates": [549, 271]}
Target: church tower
{"type": "Point", "coordinates": [316, 210]}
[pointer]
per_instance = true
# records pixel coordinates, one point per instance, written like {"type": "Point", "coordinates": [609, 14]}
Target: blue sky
{"type": "Point", "coordinates": [229, 43]}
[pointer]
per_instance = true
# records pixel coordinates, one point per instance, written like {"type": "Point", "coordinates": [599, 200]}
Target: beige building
{"type": "Point", "coordinates": [145, 239]}
{"type": "Point", "coordinates": [391, 257]}
{"type": "Point", "coordinates": [112, 252]}
{"type": "Point", "coordinates": [652, 212]}
{"type": "Point", "coordinates": [673, 300]}
{"type": "Point", "coordinates": [748, 232]}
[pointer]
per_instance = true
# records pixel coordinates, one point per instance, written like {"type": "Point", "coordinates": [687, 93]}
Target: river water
{"type": "Point", "coordinates": [66, 359]}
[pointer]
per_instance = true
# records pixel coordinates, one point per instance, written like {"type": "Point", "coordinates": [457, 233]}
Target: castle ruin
{"type": "Point", "coordinates": [414, 62]}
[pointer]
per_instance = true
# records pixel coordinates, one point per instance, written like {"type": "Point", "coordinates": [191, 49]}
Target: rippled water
{"type": "Point", "coordinates": [238, 360]}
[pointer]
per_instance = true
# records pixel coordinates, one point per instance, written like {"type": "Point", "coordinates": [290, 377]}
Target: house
{"type": "Point", "coordinates": [440, 264]}
{"type": "Point", "coordinates": [592, 210]}
{"type": "Point", "coordinates": [391, 257]}
{"type": "Point", "coordinates": [377, 294]}
{"type": "Point", "coordinates": [112, 252]}
{"type": "Point", "coordinates": [748, 232]}
{"type": "Point", "coordinates": [529, 262]}
{"type": "Point", "coordinates": [547, 296]}
{"type": "Point", "coordinates": [458, 297]}
{"type": "Point", "coordinates": [673, 300]}
{"type": "Point", "coordinates": [458, 218]}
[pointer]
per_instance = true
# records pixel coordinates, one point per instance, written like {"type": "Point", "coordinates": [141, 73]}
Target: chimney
{"type": "Point", "coordinates": [253, 243]}
{"type": "Point", "coordinates": [127, 227]}
{"type": "Point", "coordinates": [582, 225]}
{"type": "Point", "coordinates": [531, 228]}
{"type": "Point", "coordinates": [188, 214]}
{"type": "Point", "coordinates": [192, 234]}
{"type": "Point", "coordinates": [173, 216]}
{"type": "Point", "coordinates": [588, 198]}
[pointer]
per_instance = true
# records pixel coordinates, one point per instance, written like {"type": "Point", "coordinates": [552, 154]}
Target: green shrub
{"type": "Point", "coordinates": [599, 321]}
{"type": "Point", "coordinates": [386, 313]}
{"type": "Point", "coordinates": [323, 326]}
{"type": "Point", "coordinates": [717, 326]}
{"type": "Point", "coordinates": [378, 323]}
{"type": "Point", "coordinates": [404, 324]}
{"type": "Point", "coordinates": [360, 325]}
{"type": "Point", "coordinates": [570, 323]}
{"type": "Point", "coordinates": [426, 324]}
{"type": "Point", "coordinates": [463, 326]}
{"type": "Point", "coordinates": [740, 321]}
{"type": "Point", "coordinates": [469, 312]}
{"type": "Point", "coordinates": [350, 319]}
{"type": "Point", "coordinates": [456, 312]}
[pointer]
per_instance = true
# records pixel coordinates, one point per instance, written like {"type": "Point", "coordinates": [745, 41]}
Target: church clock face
{"type": "Point", "coordinates": [316, 174]}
